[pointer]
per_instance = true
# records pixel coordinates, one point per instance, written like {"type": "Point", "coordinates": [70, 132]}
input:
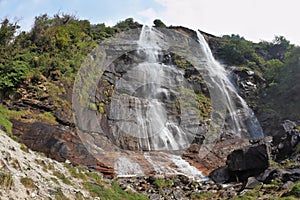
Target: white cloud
{"type": "Point", "coordinates": [253, 19]}
{"type": "Point", "coordinates": [149, 15]}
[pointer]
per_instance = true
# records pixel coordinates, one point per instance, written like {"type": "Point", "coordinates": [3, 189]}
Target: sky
{"type": "Point", "coordinates": [255, 20]}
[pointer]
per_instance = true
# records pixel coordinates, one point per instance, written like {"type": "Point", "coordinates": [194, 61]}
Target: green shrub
{"type": "Point", "coordinates": [27, 182]}
{"type": "Point", "coordinates": [159, 24]}
{"type": "Point", "coordinates": [161, 183]}
{"type": "Point", "coordinates": [295, 191]}
{"type": "Point", "coordinates": [24, 148]}
{"type": "Point", "coordinates": [273, 69]}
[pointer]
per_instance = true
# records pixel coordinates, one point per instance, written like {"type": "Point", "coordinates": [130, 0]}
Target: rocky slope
{"type": "Point", "coordinates": [25, 174]}
{"type": "Point", "coordinates": [29, 175]}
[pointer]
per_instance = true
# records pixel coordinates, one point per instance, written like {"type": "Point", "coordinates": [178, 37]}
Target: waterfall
{"type": "Point", "coordinates": [240, 118]}
{"type": "Point", "coordinates": [152, 107]}
{"type": "Point", "coordinates": [148, 89]}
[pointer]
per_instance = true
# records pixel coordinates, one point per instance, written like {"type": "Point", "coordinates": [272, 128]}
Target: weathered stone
{"type": "Point", "coordinates": [249, 161]}
{"type": "Point", "coordinates": [220, 175]}
{"type": "Point", "coordinates": [252, 182]}
{"type": "Point", "coordinates": [184, 179]}
{"type": "Point", "coordinates": [287, 185]}
{"type": "Point", "coordinates": [177, 195]}
{"type": "Point", "coordinates": [285, 175]}
{"type": "Point", "coordinates": [287, 142]}
{"type": "Point", "coordinates": [264, 176]}
{"type": "Point", "coordinates": [58, 143]}
{"type": "Point", "coordinates": [155, 197]}
{"type": "Point", "coordinates": [216, 158]}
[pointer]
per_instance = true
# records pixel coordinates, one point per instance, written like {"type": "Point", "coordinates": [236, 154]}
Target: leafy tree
{"type": "Point", "coordinates": [237, 51]}
{"type": "Point", "coordinates": [275, 49]}
{"type": "Point", "coordinates": [273, 70]}
{"type": "Point", "coordinates": [126, 25]}
{"type": "Point", "coordinates": [7, 32]}
{"type": "Point", "coordinates": [158, 23]}
{"type": "Point", "coordinates": [100, 31]}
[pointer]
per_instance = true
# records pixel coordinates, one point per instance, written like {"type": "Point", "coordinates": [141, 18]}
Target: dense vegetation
{"type": "Point", "coordinates": [54, 47]}
{"type": "Point", "coordinates": [276, 63]}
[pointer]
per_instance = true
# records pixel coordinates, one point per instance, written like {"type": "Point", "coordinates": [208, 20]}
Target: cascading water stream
{"type": "Point", "coordinates": [144, 88]}
{"type": "Point", "coordinates": [242, 120]}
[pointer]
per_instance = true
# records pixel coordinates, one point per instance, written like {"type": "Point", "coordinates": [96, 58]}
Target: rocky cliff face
{"type": "Point", "coordinates": [60, 140]}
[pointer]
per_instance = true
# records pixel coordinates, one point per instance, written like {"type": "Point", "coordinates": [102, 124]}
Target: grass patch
{"type": "Point", "coordinates": [54, 180]}
{"type": "Point", "coordinates": [6, 180]}
{"type": "Point", "coordinates": [5, 115]}
{"type": "Point", "coordinates": [295, 191]}
{"type": "Point", "coordinates": [95, 177]}
{"type": "Point", "coordinates": [203, 196]}
{"type": "Point", "coordinates": [59, 195]}
{"type": "Point", "coordinates": [27, 182]}
{"type": "Point", "coordinates": [181, 63]}
{"type": "Point", "coordinates": [42, 164]}
{"type": "Point", "coordinates": [62, 177]}
{"type": "Point", "coordinates": [24, 148]}
{"type": "Point", "coordinates": [79, 196]}
{"type": "Point", "coordinates": [76, 172]}
{"type": "Point", "coordinates": [197, 102]}
{"type": "Point", "coordinates": [46, 117]}
{"type": "Point", "coordinates": [162, 183]}
{"type": "Point", "coordinates": [112, 193]}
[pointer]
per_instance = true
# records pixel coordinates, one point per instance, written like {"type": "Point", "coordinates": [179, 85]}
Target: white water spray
{"type": "Point", "coordinates": [145, 89]}
{"type": "Point", "coordinates": [242, 121]}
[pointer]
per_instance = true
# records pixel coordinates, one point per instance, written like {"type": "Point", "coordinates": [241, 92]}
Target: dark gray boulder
{"type": "Point", "coordinates": [243, 163]}
{"type": "Point", "coordinates": [220, 175]}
